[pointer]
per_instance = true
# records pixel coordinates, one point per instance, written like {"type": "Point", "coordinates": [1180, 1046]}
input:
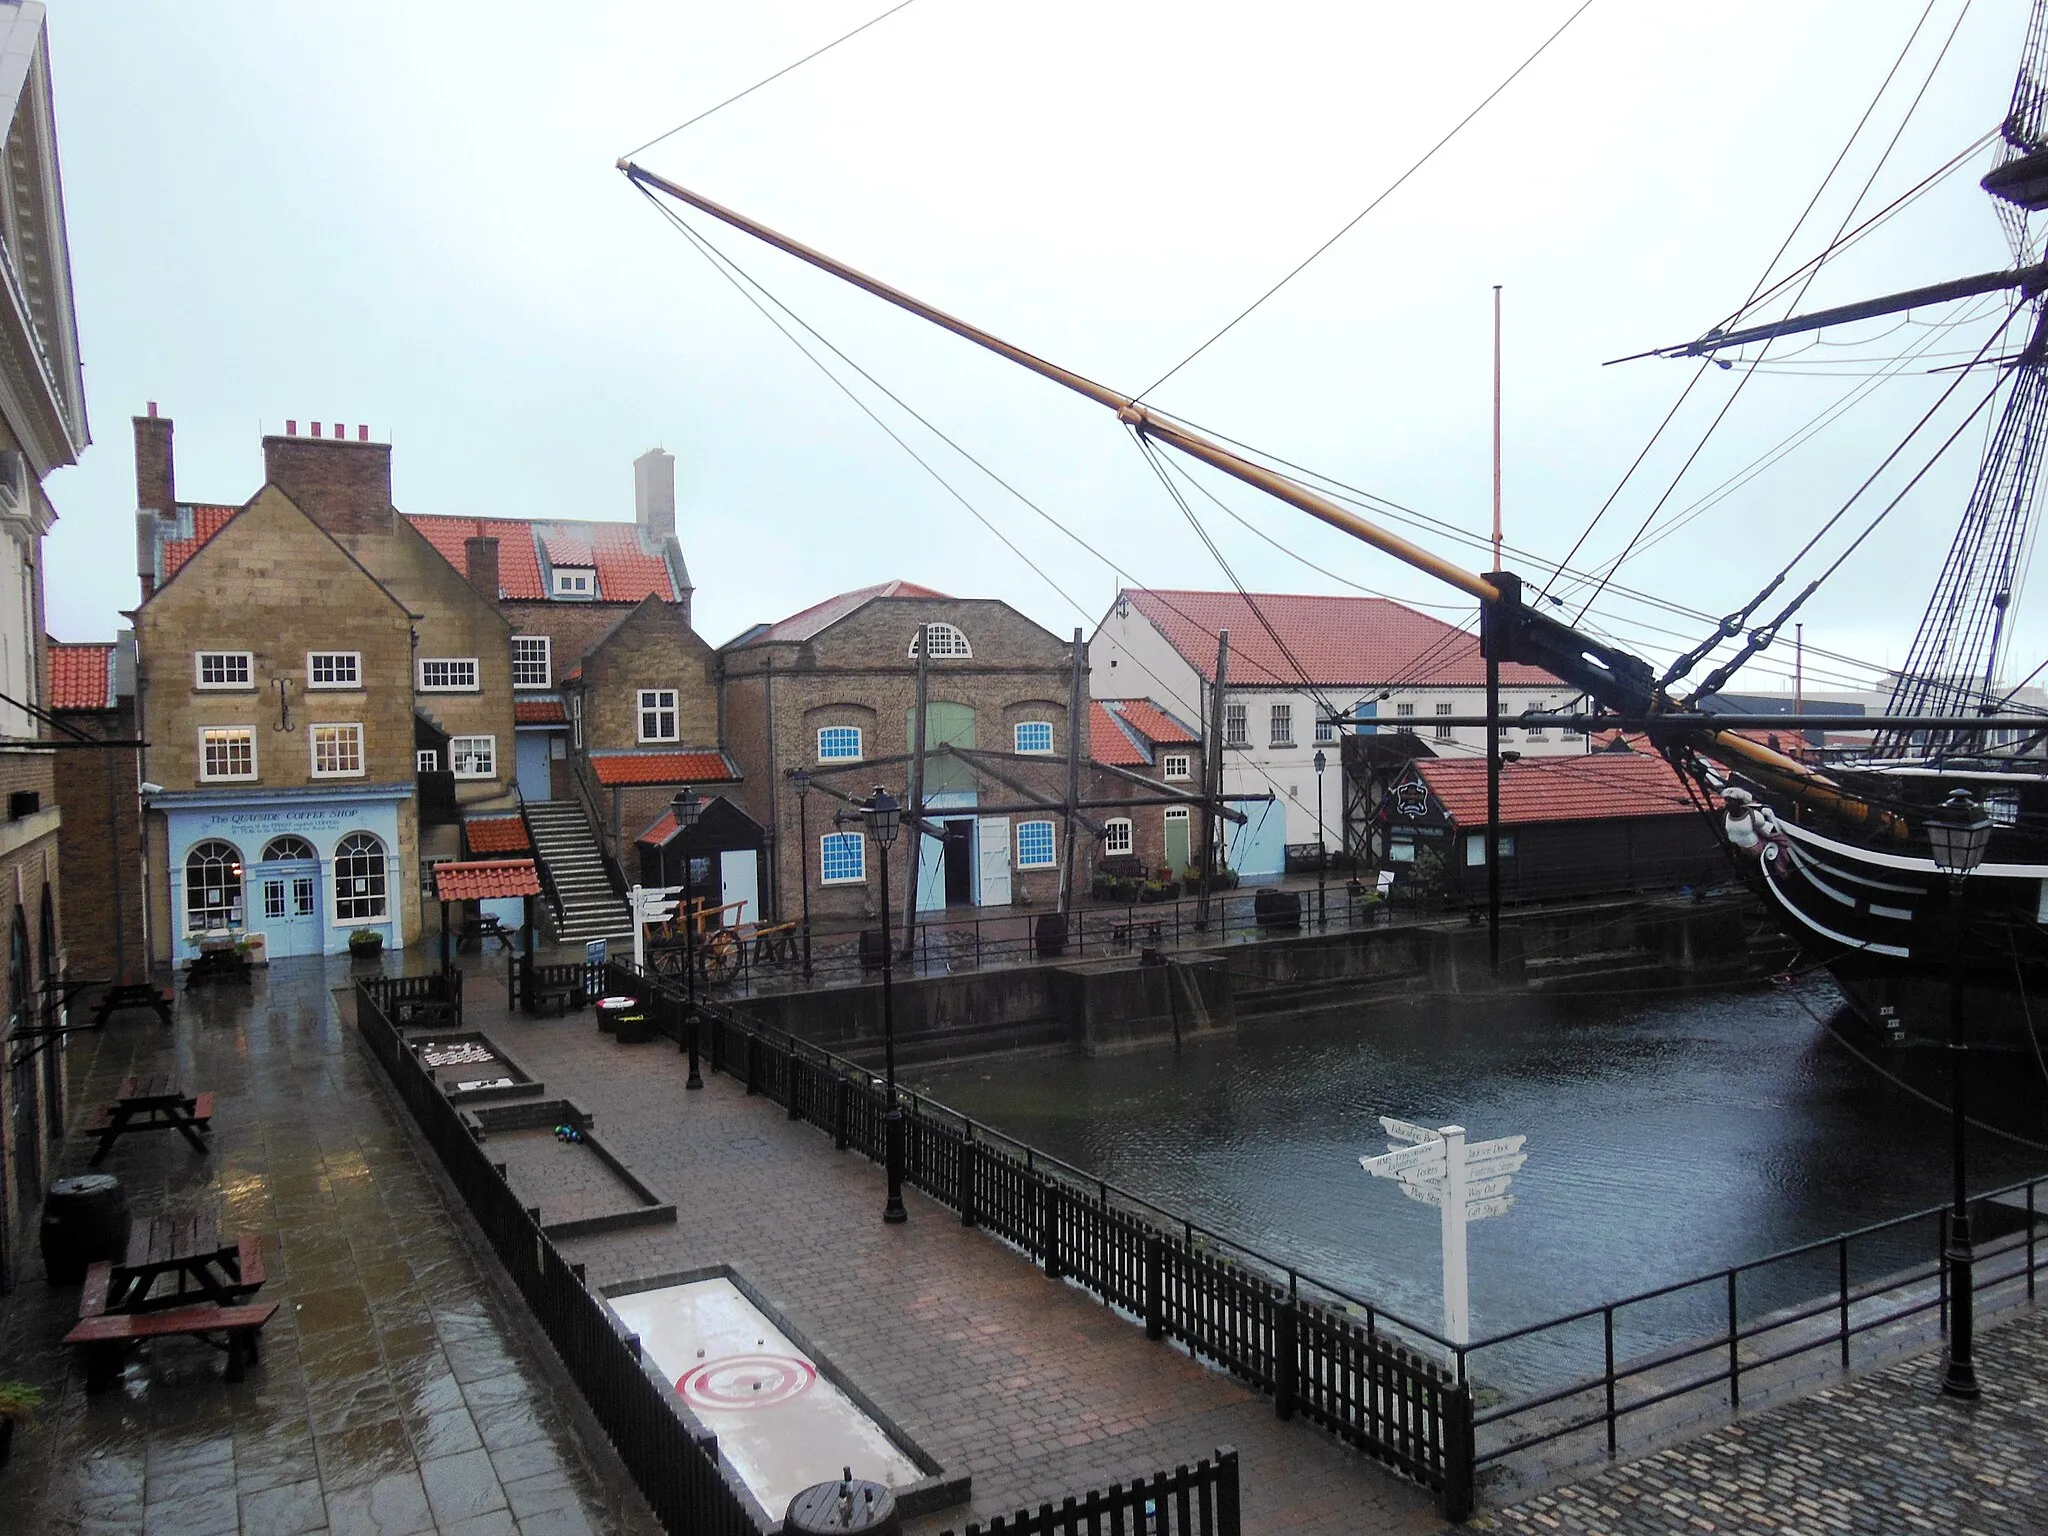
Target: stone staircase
{"type": "Point", "coordinates": [565, 844]}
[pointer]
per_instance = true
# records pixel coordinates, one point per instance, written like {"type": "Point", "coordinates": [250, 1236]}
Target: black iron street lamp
{"type": "Point", "coordinates": [800, 781]}
{"type": "Point", "coordinates": [687, 808]}
{"type": "Point", "coordinates": [883, 816]}
{"type": "Point", "coordinates": [1957, 835]}
{"type": "Point", "coordinates": [1322, 850]}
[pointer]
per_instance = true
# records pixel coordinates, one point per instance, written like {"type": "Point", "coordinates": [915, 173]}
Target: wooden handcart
{"type": "Point", "coordinates": [721, 950]}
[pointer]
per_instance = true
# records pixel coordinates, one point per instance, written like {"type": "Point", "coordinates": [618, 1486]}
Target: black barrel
{"type": "Point", "coordinates": [1052, 934]}
{"type": "Point", "coordinates": [1276, 908]}
{"type": "Point", "coordinates": [851, 1504]}
{"type": "Point", "coordinates": [85, 1219]}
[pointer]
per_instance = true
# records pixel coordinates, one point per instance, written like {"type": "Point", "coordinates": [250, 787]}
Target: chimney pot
{"type": "Point", "coordinates": [340, 431]}
{"type": "Point", "coordinates": [362, 433]}
{"type": "Point", "coordinates": [152, 407]}
{"type": "Point", "coordinates": [291, 427]}
{"type": "Point", "coordinates": [316, 429]}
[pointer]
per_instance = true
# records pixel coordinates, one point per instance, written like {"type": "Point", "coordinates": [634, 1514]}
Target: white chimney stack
{"type": "Point", "coordinates": [654, 493]}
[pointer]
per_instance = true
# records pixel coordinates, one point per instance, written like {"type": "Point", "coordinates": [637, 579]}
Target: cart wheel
{"type": "Point", "coordinates": [721, 952]}
{"type": "Point", "coordinates": [666, 962]}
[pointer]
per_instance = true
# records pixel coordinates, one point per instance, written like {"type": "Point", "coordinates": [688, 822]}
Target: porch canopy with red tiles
{"type": "Point", "coordinates": [486, 880]}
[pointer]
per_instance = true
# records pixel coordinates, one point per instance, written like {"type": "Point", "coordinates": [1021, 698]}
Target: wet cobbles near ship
{"type": "Point", "coordinates": [398, 1389]}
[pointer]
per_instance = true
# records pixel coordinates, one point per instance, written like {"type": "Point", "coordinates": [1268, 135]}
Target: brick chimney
{"type": "Point", "coordinates": [345, 487]}
{"type": "Point", "coordinates": [156, 489]}
{"type": "Point", "coordinates": [480, 565]}
{"type": "Point", "coordinates": [654, 493]}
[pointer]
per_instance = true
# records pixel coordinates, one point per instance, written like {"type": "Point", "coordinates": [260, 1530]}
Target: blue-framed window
{"type": "Point", "coordinates": [1034, 845]}
{"type": "Point", "coordinates": [842, 857]}
{"type": "Point", "coordinates": [1034, 736]}
{"type": "Point", "coordinates": [838, 743]}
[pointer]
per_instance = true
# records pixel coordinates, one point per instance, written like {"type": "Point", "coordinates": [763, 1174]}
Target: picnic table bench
{"type": "Point", "coordinates": [210, 1282]}
{"type": "Point", "coordinates": [151, 1103]}
{"type": "Point", "coordinates": [478, 933]}
{"type": "Point", "coordinates": [226, 962]}
{"type": "Point", "coordinates": [133, 994]}
{"type": "Point", "coordinates": [1147, 930]}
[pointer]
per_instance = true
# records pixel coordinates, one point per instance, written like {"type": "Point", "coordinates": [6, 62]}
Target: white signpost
{"type": "Point", "coordinates": [649, 904]}
{"type": "Point", "coordinates": [1466, 1181]}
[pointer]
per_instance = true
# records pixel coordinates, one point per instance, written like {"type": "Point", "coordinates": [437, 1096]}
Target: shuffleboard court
{"type": "Point", "coordinates": [780, 1423]}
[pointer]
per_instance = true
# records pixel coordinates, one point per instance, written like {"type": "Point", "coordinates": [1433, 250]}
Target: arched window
{"type": "Point", "coordinates": [213, 885]}
{"type": "Point", "coordinates": [288, 847]}
{"type": "Point", "coordinates": [359, 894]}
{"type": "Point", "coordinates": [946, 641]}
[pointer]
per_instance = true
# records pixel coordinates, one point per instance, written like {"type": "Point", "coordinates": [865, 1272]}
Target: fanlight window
{"type": "Point", "coordinates": [282, 848]}
{"type": "Point", "coordinates": [213, 885]}
{"type": "Point", "coordinates": [359, 878]}
{"type": "Point", "coordinates": [945, 641]}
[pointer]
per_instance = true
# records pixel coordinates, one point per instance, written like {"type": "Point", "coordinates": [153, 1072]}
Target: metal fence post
{"type": "Point", "coordinates": [970, 1155]}
{"type": "Point", "coordinates": [1049, 1227]}
{"type": "Point", "coordinates": [1286, 1358]}
{"type": "Point", "coordinates": [1607, 1329]}
{"type": "Point", "coordinates": [792, 1063]}
{"type": "Point", "coordinates": [842, 1113]}
{"type": "Point", "coordinates": [1455, 1416]}
{"type": "Point", "coordinates": [753, 1062]}
{"type": "Point", "coordinates": [1155, 1286]}
{"type": "Point", "coordinates": [1734, 1347]}
{"type": "Point", "coordinates": [1842, 1291]}
{"type": "Point", "coordinates": [2030, 1240]}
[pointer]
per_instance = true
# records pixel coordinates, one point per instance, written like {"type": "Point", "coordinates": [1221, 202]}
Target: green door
{"type": "Point", "coordinates": [1177, 839]}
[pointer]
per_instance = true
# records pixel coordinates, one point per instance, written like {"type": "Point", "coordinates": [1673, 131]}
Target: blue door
{"type": "Point", "coordinates": [1258, 848]}
{"type": "Point", "coordinates": [532, 765]}
{"type": "Point", "coordinates": [284, 906]}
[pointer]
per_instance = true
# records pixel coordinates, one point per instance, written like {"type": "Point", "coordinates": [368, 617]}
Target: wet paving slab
{"type": "Point", "coordinates": [399, 1389]}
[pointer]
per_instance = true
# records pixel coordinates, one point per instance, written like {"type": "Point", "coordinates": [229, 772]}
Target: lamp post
{"type": "Point", "coordinates": [1322, 850]}
{"type": "Point", "coordinates": [1957, 835]}
{"type": "Point", "coordinates": [687, 808]}
{"type": "Point", "coordinates": [800, 780]}
{"type": "Point", "coordinates": [883, 816]}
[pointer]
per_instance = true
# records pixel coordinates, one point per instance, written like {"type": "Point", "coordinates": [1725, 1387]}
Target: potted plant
{"type": "Point", "coordinates": [365, 944]}
{"type": "Point", "coordinates": [18, 1401]}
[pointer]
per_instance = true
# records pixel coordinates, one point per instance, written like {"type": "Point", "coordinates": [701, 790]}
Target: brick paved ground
{"type": "Point", "coordinates": [1882, 1454]}
{"type": "Point", "coordinates": [398, 1391]}
{"type": "Point", "coordinates": [1028, 1384]}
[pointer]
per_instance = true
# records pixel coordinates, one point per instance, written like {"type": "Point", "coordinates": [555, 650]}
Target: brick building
{"type": "Point", "coordinates": [42, 429]}
{"type": "Point", "coordinates": [100, 845]}
{"type": "Point", "coordinates": [832, 690]}
{"type": "Point", "coordinates": [1146, 742]}
{"type": "Point", "coordinates": [1294, 660]}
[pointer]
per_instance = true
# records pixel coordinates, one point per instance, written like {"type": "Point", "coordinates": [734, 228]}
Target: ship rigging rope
{"type": "Point", "coordinates": [1749, 372]}
{"type": "Point", "coordinates": [1390, 190]}
{"type": "Point", "coordinates": [769, 79]}
{"type": "Point", "coordinates": [1763, 278]}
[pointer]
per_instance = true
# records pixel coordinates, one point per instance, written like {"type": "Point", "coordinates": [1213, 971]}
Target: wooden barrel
{"type": "Point", "coordinates": [85, 1219]}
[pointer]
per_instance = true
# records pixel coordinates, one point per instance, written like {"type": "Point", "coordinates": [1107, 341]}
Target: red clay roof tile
{"type": "Point", "coordinates": [1107, 742]}
{"type": "Point", "coordinates": [1154, 723]}
{"type": "Point", "coordinates": [1539, 789]}
{"type": "Point", "coordinates": [486, 881]}
{"type": "Point", "coordinates": [538, 712]}
{"type": "Point", "coordinates": [81, 676]}
{"type": "Point", "coordinates": [662, 768]}
{"type": "Point", "coordinates": [1339, 641]}
{"type": "Point", "coordinates": [206, 522]}
{"type": "Point", "coordinates": [496, 834]}
{"type": "Point", "coordinates": [820, 616]}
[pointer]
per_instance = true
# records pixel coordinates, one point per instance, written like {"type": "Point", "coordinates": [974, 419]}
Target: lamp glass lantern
{"type": "Point", "coordinates": [1958, 835]}
{"type": "Point", "coordinates": [883, 815]}
{"type": "Point", "coordinates": [800, 780]}
{"type": "Point", "coordinates": [688, 806]}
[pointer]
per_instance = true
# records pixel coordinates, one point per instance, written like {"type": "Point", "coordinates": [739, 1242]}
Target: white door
{"type": "Point", "coordinates": [992, 840]}
{"type": "Point", "coordinates": [739, 879]}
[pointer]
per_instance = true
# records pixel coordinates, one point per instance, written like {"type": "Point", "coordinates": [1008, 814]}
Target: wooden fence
{"type": "Point", "coordinates": [1324, 1359]}
{"type": "Point", "coordinates": [1189, 1501]}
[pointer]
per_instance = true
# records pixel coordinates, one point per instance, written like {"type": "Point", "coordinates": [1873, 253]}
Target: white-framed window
{"type": "Point", "coordinates": [227, 752]}
{"type": "Point", "coordinates": [842, 858]}
{"type": "Point", "coordinates": [334, 669]}
{"type": "Point", "coordinates": [473, 757]}
{"type": "Point", "coordinates": [946, 641]}
{"type": "Point", "coordinates": [1033, 736]}
{"type": "Point", "coordinates": [1537, 733]}
{"type": "Point", "coordinates": [1401, 850]}
{"type": "Point", "coordinates": [532, 661]}
{"type": "Point", "coordinates": [1404, 711]}
{"type": "Point", "coordinates": [838, 743]}
{"type": "Point", "coordinates": [223, 669]}
{"type": "Point", "coordinates": [1282, 725]}
{"type": "Point", "coordinates": [359, 879]}
{"type": "Point", "coordinates": [448, 674]}
{"type": "Point", "coordinates": [658, 714]}
{"type": "Point", "coordinates": [1116, 835]}
{"type": "Point", "coordinates": [1176, 766]}
{"type": "Point", "coordinates": [576, 721]}
{"type": "Point", "coordinates": [426, 760]}
{"type": "Point", "coordinates": [1035, 845]}
{"type": "Point", "coordinates": [575, 581]}
{"type": "Point", "coordinates": [1326, 730]}
{"type": "Point", "coordinates": [282, 850]}
{"type": "Point", "coordinates": [337, 751]}
{"type": "Point", "coordinates": [1571, 733]}
{"type": "Point", "coordinates": [213, 886]}
{"type": "Point", "coordinates": [1237, 725]}
{"type": "Point", "coordinates": [1443, 732]}
{"type": "Point", "coordinates": [1475, 847]}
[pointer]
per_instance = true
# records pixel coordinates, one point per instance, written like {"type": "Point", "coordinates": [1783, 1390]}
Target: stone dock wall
{"type": "Point", "coordinates": [1107, 1004]}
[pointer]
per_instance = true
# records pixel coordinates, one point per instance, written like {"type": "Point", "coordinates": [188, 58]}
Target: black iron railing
{"type": "Point", "coordinates": [1315, 1350]}
{"type": "Point", "coordinates": [1201, 1500]}
{"type": "Point", "coordinates": [681, 1477]}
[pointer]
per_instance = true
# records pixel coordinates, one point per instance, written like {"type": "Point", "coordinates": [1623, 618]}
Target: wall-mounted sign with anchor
{"type": "Point", "coordinates": [1466, 1181]}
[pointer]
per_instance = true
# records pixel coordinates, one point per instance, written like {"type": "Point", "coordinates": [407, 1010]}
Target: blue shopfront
{"type": "Point", "coordinates": [304, 868]}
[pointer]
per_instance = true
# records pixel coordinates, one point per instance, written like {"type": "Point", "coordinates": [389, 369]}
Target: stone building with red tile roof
{"type": "Point", "coordinates": [100, 844]}
{"type": "Point", "coordinates": [1294, 661]}
{"type": "Point", "coordinates": [1132, 740]}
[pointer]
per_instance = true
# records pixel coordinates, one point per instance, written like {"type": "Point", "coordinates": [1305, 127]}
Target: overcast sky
{"type": "Point", "coordinates": [409, 216]}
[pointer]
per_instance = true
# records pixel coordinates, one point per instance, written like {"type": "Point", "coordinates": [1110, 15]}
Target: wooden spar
{"type": "Point", "coordinates": [1174, 434]}
{"type": "Point", "coordinates": [1196, 445]}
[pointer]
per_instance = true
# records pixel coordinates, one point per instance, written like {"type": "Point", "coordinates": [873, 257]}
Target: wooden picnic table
{"type": "Point", "coordinates": [175, 1261]}
{"type": "Point", "coordinates": [153, 1102]}
{"type": "Point", "coordinates": [217, 962]}
{"type": "Point", "coordinates": [133, 994]}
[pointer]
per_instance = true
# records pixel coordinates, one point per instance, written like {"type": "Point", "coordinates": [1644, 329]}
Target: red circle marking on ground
{"type": "Point", "coordinates": [747, 1381]}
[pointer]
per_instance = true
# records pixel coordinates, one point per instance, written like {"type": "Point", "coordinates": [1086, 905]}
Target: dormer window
{"type": "Point", "coordinates": [575, 581]}
{"type": "Point", "coordinates": [946, 641]}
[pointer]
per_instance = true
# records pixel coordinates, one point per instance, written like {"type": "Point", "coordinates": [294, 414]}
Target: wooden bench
{"type": "Point", "coordinates": [127, 994]}
{"type": "Point", "coordinates": [105, 1336]}
{"type": "Point", "coordinates": [563, 995]}
{"type": "Point", "coordinates": [160, 1106]}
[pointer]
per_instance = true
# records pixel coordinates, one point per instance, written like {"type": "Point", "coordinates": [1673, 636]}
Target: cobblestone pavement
{"type": "Point", "coordinates": [398, 1390]}
{"type": "Point", "coordinates": [1028, 1384]}
{"type": "Point", "coordinates": [1882, 1454]}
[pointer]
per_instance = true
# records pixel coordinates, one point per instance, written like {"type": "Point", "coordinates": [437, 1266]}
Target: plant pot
{"type": "Point", "coordinates": [366, 949]}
